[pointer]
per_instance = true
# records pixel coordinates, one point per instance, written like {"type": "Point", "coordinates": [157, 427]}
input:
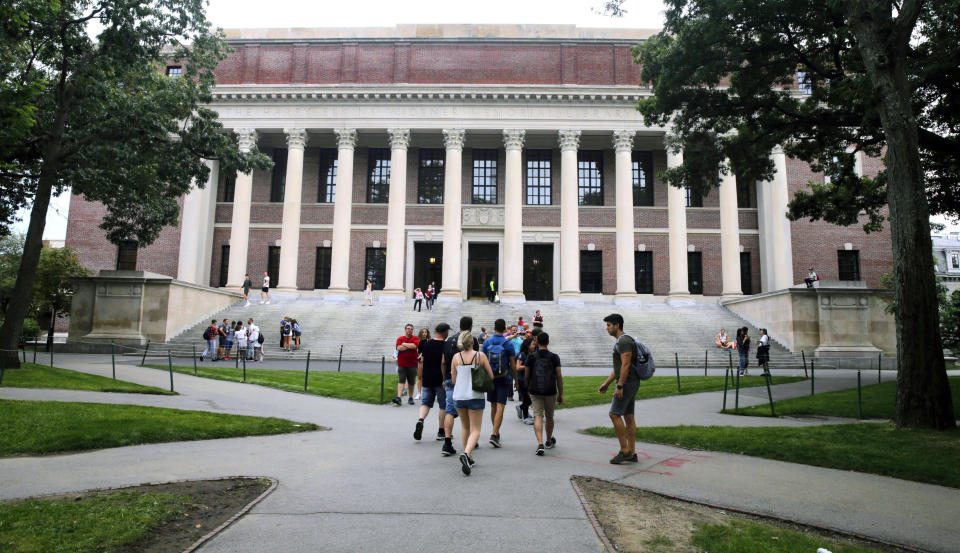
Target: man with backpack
{"type": "Point", "coordinates": [544, 381]}
{"type": "Point", "coordinates": [503, 363]}
{"type": "Point", "coordinates": [630, 358]}
{"type": "Point", "coordinates": [210, 336]}
{"type": "Point", "coordinates": [450, 348]}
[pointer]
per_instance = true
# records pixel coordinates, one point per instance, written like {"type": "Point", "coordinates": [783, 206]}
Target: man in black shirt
{"type": "Point", "coordinates": [431, 378]}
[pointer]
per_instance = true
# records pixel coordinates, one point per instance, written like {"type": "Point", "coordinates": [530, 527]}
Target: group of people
{"type": "Point", "coordinates": [430, 294]}
{"type": "Point", "coordinates": [221, 339]}
{"type": "Point", "coordinates": [450, 367]}
{"type": "Point", "coordinates": [741, 343]}
{"type": "Point", "coordinates": [289, 334]}
{"type": "Point", "coordinates": [264, 289]}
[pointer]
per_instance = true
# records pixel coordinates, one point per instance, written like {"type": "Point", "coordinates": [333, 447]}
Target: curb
{"type": "Point", "coordinates": [607, 546]}
{"type": "Point", "coordinates": [213, 533]}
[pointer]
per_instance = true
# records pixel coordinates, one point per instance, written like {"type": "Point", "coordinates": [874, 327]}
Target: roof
{"type": "Point", "coordinates": [444, 32]}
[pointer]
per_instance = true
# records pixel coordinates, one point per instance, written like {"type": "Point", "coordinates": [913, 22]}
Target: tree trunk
{"type": "Point", "coordinates": [923, 392]}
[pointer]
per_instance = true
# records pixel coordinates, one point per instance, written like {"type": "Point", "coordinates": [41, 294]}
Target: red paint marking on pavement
{"type": "Point", "coordinates": [631, 469]}
{"type": "Point", "coordinates": [607, 444]}
{"type": "Point", "coordinates": [674, 462]}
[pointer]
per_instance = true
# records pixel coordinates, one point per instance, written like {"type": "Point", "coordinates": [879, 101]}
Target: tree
{"type": "Point", "coordinates": [881, 77]}
{"type": "Point", "coordinates": [99, 115]}
{"type": "Point", "coordinates": [53, 285]}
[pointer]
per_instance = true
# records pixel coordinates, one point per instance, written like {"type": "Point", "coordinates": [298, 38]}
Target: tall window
{"type": "Point", "coordinates": [229, 187]}
{"type": "Point", "coordinates": [643, 267]}
{"type": "Point", "coordinates": [327, 181]}
{"type": "Point", "coordinates": [693, 199]}
{"type": "Point", "coordinates": [484, 177]}
{"type": "Point", "coordinates": [430, 184]}
{"type": "Point", "coordinates": [376, 267]}
{"type": "Point", "coordinates": [321, 278]}
{"type": "Point", "coordinates": [803, 82]}
{"type": "Point", "coordinates": [642, 170]}
{"type": "Point", "coordinates": [848, 263]}
{"type": "Point", "coordinates": [174, 70]}
{"type": "Point", "coordinates": [378, 176]}
{"type": "Point", "coordinates": [538, 177]}
{"type": "Point", "coordinates": [591, 272]}
{"type": "Point", "coordinates": [278, 179]}
{"type": "Point", "coordinates": [127, 255]}
{"type": "Point", "coordinates": [590, 177]}
{"type": "Point", "coordinates": [273, 265]}
{"type": "Point", "coordinates": [743, 193]}
{"type": "Point", "coordinates": [224, 264]}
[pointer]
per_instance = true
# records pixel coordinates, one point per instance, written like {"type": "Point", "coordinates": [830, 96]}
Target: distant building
{"type": "Point", "coordinates": [946, 251]}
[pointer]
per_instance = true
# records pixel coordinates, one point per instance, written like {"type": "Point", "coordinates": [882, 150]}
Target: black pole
{"type": "Point", "coordinates": [859, 398]}
{"type": "Point", "coordinates": [383, 364]}
{"type": "Point", "coordinates": [306, 373]}
{"type": "Point", "coordinates": [736, 397]}
{"type": "Point", "coordinates": [3, 366]}
{"type": "Point", "coordinates": [145, 350]}
{"type": "Point", "coordinates": [804, 355]}
{"type": "Point", "coordinates": [704, 362]}
{"type": "Point", "coordinates": [34, 350]}
{"type": "Point", "coordinates": [769, 393]}
{"type": "Point", "coordinates": [244, 368]}
{"type": "Point", "coordinates": [236, 359]}
{"type": "Point", "coordinates": [51, 352]}
{"type": "Point", "coordinates": [340, 358]}
{"type": "Point", "coordinates": [113, 359]}
{"type": "Point", "coordinates": [676, 359]}
{"type": "Point", "coordinates": [23, 349]}
{"type": "Point", "coordinates": [170, 366]}
{"type": "Point", "coordinates": [726, 374]}
{"type": "Point", "coordinates": [194, 359]}
{"type": "Point", "coordinates": [879, 366]}
{"type": "Point", "coordinates": [813, 374]}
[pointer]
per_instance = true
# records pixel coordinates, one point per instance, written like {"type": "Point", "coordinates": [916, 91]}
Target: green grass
{"type": "Point", "coordinates": [95, 524]}
{"type": "Point", "coordinates": [878, 403]}
{"type": "Point", "coordinates": [32, 375]}
{"type": "Point", "coordinates": [742, 535]}
{"type": "Point", "coordinates": [878, 448]}
{"type": "Point", "coordinates": [38, 427]}
{"type": "Point", "coordinates": [579, 391]}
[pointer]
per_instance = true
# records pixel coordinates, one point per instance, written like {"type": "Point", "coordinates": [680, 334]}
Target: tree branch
{"type": "Point", "coordinates": [906, 21]}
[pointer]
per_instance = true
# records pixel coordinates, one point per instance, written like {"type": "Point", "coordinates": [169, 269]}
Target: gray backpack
{"type": "Point", "coordinates": [642, 362]}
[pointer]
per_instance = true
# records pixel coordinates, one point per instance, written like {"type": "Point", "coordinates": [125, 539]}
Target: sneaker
{"type": "Point", "coordinates": [540, 450]}
{"type": "Point", "coordinates": [619, 458]}
{"type": "Point", "coordinates": [201, 358]}
{"type": "Point", "coordinates": [465, 464]}
{"type": "Point", "coordinates": [416, 396]}
{"type": "Point", "coordinates": [528, 421]}
{"type": "Point", "coordinates": [246, 304]}
{"type": "Point", "coordinates": [418, 433]}
{"type": "Point", "coordinates": [447, 450]}
{"type": "Point", "coordinates": [551, 443]}
{"type": "Point", "coordinates": [396, 400]}
{"type": "Point", "coordinates": [440, 435]}
{"type": "Point", "coordinates": [495, 440]}
{"type": "Point", "coordinates": [261, 302]}
{"type": "Point", "coordinates": [632, 459]}
{"type": "Point", "coordinates": [268, 302]}
{"type": "Point", "coordinates": [519, 413]}
{"type": "Point", "coordinates": [472, 462]}
{"type": "Point", "coordinates": [410, 400]}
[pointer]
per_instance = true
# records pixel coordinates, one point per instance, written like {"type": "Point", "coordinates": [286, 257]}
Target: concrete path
{"type": "Point", "coordinates": [366, 485]}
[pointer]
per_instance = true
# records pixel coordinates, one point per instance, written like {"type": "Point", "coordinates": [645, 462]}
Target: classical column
{"type": "Point", "coordinates": [396, 214]}
{"type": "Point", "coordinates": [511, 289]}
{"type": "Point", "coordinates": [452, 231]}
{"type": "Point", "coordinates": [342, 205]}
{"type": "Point", "coordinates": [292, 192]}
{"type": "Point", "coordinates": [569, 218]}
{"type": "Point", "coordinates": [677, 231]}
{"type": "Point", "coordinates": [780, 247]}
{"type": "Point", "coordinates": [729, 236]}
{"type": "Point", "coordinates": [195, 226]}
{"type": "Point", "coordinates": [626, 273]}
{"type": "Point", "coordinates": [240, 224]}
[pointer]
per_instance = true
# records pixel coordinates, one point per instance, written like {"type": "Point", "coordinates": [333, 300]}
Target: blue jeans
{"type": "Point", "coordinates": [211, 347]}
{"type": "Point", "coordinates": [450, 408]}
{"type": "Point", "coordinates": [474, 404]}
{"type": "Point", "coordinates": [429, 393]}
{"type": "Point", "coordinates": [249, 349]}
{"type": "Point", "coordinates": [744, 360]}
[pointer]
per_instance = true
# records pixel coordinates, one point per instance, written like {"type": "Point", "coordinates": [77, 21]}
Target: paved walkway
{"type": "Point", "coordinates": [366, 485]}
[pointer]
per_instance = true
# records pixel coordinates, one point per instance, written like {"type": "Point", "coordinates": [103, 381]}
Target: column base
{"type": "Point", "coordinates": [284, 290]}
{"type": "Point", "coordinates": [450, 295]}
{"type": "Point", "coordinates": [678, 299]}
{"type": "Point", "coordinates": [512, 297]}
{"type": "Point", "coordinates": [624, 298]}
{"type": "Point", "coordinates": [393, 295]}
{"type": "Point", "coordinates": [337, 295]}
{"type": "Point", "coordinates": [570, 297]}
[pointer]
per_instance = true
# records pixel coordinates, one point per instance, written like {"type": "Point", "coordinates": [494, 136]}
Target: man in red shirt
{"type": "Point", "coordinates": [407, 361]}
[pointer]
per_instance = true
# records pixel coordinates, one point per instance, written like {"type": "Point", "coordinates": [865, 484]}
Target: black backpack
{"type": "Point", "coordinates": [260, 338]}
{"type": "Point", "coordinates": [543, 374]}
{"type": "Point", "coordinates": [206, 333]}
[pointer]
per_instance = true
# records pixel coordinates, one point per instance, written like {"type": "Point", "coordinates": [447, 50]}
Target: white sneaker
{"type": "Point", "coordinates": [416, 396]}
{"type": "Point", "coordinates": [268, 302]}
{"type": "Point", "coordinates": [246, 304]}
{"type": "Point", "coordinates": [261, 302]}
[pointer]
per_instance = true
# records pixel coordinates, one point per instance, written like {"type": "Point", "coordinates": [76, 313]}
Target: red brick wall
{"type": "Point", "coordinates": [703, 218]}
{"type": "Point", "coordinates": [751, 245]}
{"type": "Point", "coordinates": [309, 241]}
{"type": "Point", "coordinates": [424, 215]}
{"type": "Point", "coordinates": [709, 244]}
{"type": "Point", "coordinates": [597, 217]}
{"type": "Point", "coordinates": [748, 220]}
{"type": "Point", "coordinates": [369, 214]}
{"type": "Point", "coordinates": [360, 240]}
{"type": "Point", "coordinates": [220, 237]}
{"type": "Point", "coordinates": [316, 214]}
{"type": "Point", "coordinates": [606, 243]}
{"type": "Point", "coordinates": [540, 216]}
{"type": "Point", "coordinates": [224, 214]}
{"type": "Point", "coordinates": [646, 217]}
{"type": "Point", "coordinates": [659, 244]}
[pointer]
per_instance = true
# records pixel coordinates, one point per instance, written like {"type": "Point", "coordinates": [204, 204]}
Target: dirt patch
{"type": "Point", "coordinates": [637, 521]}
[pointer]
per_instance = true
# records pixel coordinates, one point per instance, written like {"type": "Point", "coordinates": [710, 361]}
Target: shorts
{"type": "Point", "coordinates": [501, 390]}
{"type": "Point", "coordinates": [428, 393]}
{"type": "Point", "coordinates": [451, 407]}
{"type": "Point", "coordinates": [265, 289]}
{"type": "Point", "coordinates": [229, 344]}
{"type": "Point", "coordinates": [406, 374]}
{"type": "Point", "coordinates": [625, 405]}
{"type": "Point", "coordinates": [246, 291]}
{"type": "Point", "coordinates": [474, 404]}
{"type": "Point", "coordinates": [543, 405]}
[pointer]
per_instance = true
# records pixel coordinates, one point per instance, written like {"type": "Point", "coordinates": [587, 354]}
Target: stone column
{"type": "Point", "coordinates": [240, 224]}
{"type": "Point", "coordinates": [342, 205]}
{"type": "Point", "coordinates": [729, 236]}
{"type": "Point", "coordinates": [626, 272]}
{"type": "Point", "coordinates": [569, 218]}
{"type": "Point", "coordinates": [292, 192]}
{"type": "Point", "coordinates": [677, 232]}
{"type": "Point", "coordinates": [196, 229]}
{"type": "Point", "coordinates": [396, 215]}
{"type": "Point", "coordinates": [780, 247]}
{"type": "Point", "coordinates": [452, 202]}
{"type": "Point", "coordinates": [511, 289]}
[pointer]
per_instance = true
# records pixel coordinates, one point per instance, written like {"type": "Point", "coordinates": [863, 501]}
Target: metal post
{"type": "Point", "coordinates": [804, 355]}
{"type": "Point", "coordinates": [736, 396]}
{"type": "Point", "coordinates": [34, 350]}
{"type": "Point", "coordinates": [244, 368]}
{"type": "Point", "coordinates": [51, 353]}
{"type": "Point", "coordinates": [859, 398]}
{"type": "Point", "coordinates": [726, 374]}
{"type": "Point", "coordinates": [194, 359]}
{"type": "Point", "coordinates": [676, 359]}
{"type": "Point", "coordinates": [306, 373]}
{"type": "Point", "coordinates": [704, 362]}
{"type": "Point", "coordinates": [236, 358]}
{"type": "Point", "coordinates": [3, 366]}
{"type": "Point", "coordinates": [813, 375]}
{"type": "Point", "coordinates": [145, 350]}
{"type": "Point", "coordinates": [340, 358]}
{"type": "Point", "coordinates": [170, 365]}
{"type": "Point", "coordinates": [383, 364]}
{"type": "Point", "coordinates": [769, 393]}
{"type": "Point", "coordinates": [879, 366]}
{"type": "Point", "coordinates": [23, 344]}
{"type": "Point", "coordinates": [113, 359]}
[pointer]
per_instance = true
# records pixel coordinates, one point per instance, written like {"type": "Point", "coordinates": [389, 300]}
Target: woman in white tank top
{"type": "Point", "coordinates": [470, 403]}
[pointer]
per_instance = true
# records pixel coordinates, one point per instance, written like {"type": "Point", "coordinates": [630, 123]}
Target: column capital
{"type": "Point", "coordinates": [246, 139]}
{"type": "Point", "coordinates": [453, 138]}
{"type": "Point", "coordinates": [296, 138]}
{"type": "Point", "coordinates": [346, 138]}
{"type": "Point", "coordinates": [623, 140]}
{"type": "Point", "coordinates": [569, 140]}
{"type": "Point", "coordinates": [513, 138]}
{"type": "Point", "coordinates": [399, 138]}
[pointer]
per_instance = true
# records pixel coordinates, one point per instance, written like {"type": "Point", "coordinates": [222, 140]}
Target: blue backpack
{"type": "Point", "coordinates": [498, 356]}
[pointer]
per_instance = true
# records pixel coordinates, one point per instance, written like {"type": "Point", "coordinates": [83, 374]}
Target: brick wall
{"type": "Point", "coordinates": [540, 216]}
{"type": "Point", "coordinates": [605, 242]}
{"type": "Point", "coordinates": [751, 245]}
{"type": "Point", "coordinates": [310, 240]}
{"type": "Point", "coordinates": [709, 244]}
{"type": "Point", "coordinates": [360, 240]}
{"type": "Point", "coordinates": [701, 217]}
{"type": "Point", "coordinates": [659, 244]}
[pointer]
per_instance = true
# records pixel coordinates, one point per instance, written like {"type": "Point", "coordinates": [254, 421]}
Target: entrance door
{"type": "Point", "coordinates": [746, 275]}
{"type": "Point", "coordinates": [695, 272]}
{"type": "Point", "coordinates": [482, 268]}
{"type": "Point", "coordinates": [427, 265]}
{"type": "Point", "coordinates": [538, 272]}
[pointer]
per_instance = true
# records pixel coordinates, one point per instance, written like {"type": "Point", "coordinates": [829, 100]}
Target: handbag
{"type": "Point", "coordinates": [480, 380]}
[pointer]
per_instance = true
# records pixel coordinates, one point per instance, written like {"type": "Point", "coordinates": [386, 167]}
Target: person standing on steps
{"type": "Point", "coordinates": [253, 337]}
{"type": "Point", "coordinates": [624, 398]}
{"type": "Point", "coordinates": [538, 320]}
{"type": "Point", "coordinates": [545, 384]}
{"type": "Point", "coordinates": [431, 377]}
{"type": "Point", "coordinates": [240, 335]}
{"type": "Point", "coordinates": [470, 403]}
{"type": "Point", "coordinates": [514, 335]}
{"type": "Point", "coordinates": [418, 300]}
{"type": "Point", "coordinates": [407, 362]}
{"type": "Point", "coordinates": [743, 348]}
{"type": "Point", "coordinates": [265, 289]}
{"type": "Point", "coordinates": [492, 293]}
{"type": "Point", "coordinates": [450, 349]}
{"type": "Point", "coordinates": [503, 362]}
{"type": "Point", "coordinates": [367, 294]}
{"type": "Point", "coordinates": [246, 289]}
{"type": "Point", "coordinates": [296, 333]}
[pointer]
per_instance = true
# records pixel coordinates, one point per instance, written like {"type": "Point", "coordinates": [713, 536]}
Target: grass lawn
{"type": "Point", "coordinates": [878, 448]}
{"type": "Point", "coordinates": [878, 403]}
{"type": "Point", "coordinates": [37, 427]}
{"type": "Point", "coordinates": [32, 375]}
{"type": "Point", "coordinates": [101, 523]}
{"type": "Point", "coordinates": [744, 535]}
{"type": "Point", "coordinates": [578, 391]}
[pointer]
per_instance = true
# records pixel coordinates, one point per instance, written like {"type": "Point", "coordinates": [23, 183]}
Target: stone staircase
{"type": "Point", "coordinates": [577, 333]}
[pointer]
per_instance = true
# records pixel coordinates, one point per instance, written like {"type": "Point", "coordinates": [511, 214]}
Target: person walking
{"type": "Point", "coordinates": [253, 335]}
{"type": "Point", "coordinates": [528, 346]}
{"type": "Point", "coordinates": [431, 377]}
{"type": "Point", "coordinates": [429, 297]}
{"type": "Point", "coordinates": [450, 349]}
{"type": "Point", "coordinates": [265, 288]}
{"type": "Point", "coordinates": [624, 397]}
{"type": "Point", "coordinates": [407, 362]}
{"type": "Point", "coordinates": [538, 320]}
{"type": "Point", "coordinates": [247, 284]}
{"type": "Point", "coordinates": [743, 348]}
{"type": "Point", "coordinates": [296, 333]}
{"type": "Point", "coordinates": [423, 336]}
{"type": "Point", "coordinates": [470, 403]}
{"type": "Point", "coordinates": [492, 293]}
{"type": "Point", "coordinates": [515, 337]}
{"type": "Point", "coordinates": [763, 352]}
{"type": "Point", "coordinates": [210, 336]}
{"type": "Point", "coordinates": [545, 384]}
{"type": "Point", "coordinates": [503, 362]}
{"type": "Point", "coordinates": [367, 294]}
{"type": "Point", "coordinates": [417, 300]}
